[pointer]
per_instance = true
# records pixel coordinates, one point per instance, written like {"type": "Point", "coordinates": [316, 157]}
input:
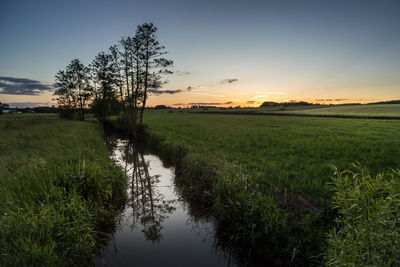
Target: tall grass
{"type": "Point", "coordinates": [58, 186]}
{"type": "Point", "coordinates": [367, 231]}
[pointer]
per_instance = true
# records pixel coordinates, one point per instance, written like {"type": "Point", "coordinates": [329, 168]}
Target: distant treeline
{"type": "Point", "coordinates": [385, 102]}
{"type": "Point", "coordinates": [285, 104]}
{"type": "Point", "coordinates": [5, 108]}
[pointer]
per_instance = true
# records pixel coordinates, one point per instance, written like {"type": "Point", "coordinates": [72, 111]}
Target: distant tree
{"type": "Point", "coordinates": [161, 107]}
{"type": "Point", "coordinates": [73, 89]}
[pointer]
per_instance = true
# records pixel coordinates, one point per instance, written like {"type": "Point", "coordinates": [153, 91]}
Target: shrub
{"type": "Point", "coordinates": [367, 230]}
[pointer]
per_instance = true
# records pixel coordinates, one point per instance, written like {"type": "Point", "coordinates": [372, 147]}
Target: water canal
{"type": "Point", "coordinates": [156, 227]}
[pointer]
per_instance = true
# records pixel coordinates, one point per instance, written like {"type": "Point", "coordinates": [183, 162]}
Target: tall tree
{"type": "Point", "coordinates": [73, 90]}
{"type": "Point", "coordinates": [104, 75]}
{"type": "Point", "coordinates": [136, 75]}
{"type": "Point", "coordinates": [115, 53]}
{"type": "Point", "coordinates": [126, 64]}
{"type": "Point", "coordinates": [154, 65]}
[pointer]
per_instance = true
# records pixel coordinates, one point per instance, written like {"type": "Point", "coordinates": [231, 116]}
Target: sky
{"type": "Point", "coordinates": [225, 53]}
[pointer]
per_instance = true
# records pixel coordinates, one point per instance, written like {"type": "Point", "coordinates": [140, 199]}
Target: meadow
{"type": "Point", "coordinates": [58, 187]}
{"type": "Point", "coordinates": [268, 177]}
{"type": "Point", "coordinates": [378, 110]}
{"type": "Point", "coordinates": [273, 184]}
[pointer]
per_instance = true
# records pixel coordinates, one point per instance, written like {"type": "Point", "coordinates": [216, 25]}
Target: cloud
{"type": "Point", "coordinates": [190, 88]}
{"type": "Point", "coordinates": [271, 93]}
{"type": "Point", "coordinates": [210, 104]}
{"type": "Point", "coordinates": [251, 102]}
{"type": "Point", "coordinates": [276, 93]}
{"type": "Point", "coordinates": [170, 92]}
{"type": "Point", "coordinates": [330, 99]}
{"type": "Point", "coordinates": [30, 104]}
{"type": "Point", "coordinates": [182, 73]}
{"type": "Point", "coordinates": [229, 81]}
{"type": "Point", "coordinates": [178, 104]}
{"type": "Point", "coordinates": [260, 96]}
{"type": "Point", "coordinates": [22, 86]}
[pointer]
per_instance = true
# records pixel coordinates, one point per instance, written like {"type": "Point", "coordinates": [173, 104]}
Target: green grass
{"type": "Point", "coordinates": [57, 186]}
{"type": "Point", "coordinates": [378, 111]}
{"type": "Point", "coordinates": [291, 152]}
{"type": "Point", "coordinates": [367, 231]}
{"type": "Point", "coordinates": [258, 109]}
{"type": "Point", "coordinates": [268, 175]}
{"type": "Point", "coordinates": [386, 110]}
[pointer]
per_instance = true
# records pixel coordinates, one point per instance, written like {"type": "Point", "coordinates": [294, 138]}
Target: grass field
{"type": "Point", "coordinates": [57, 185]}
{"type": "Point", "coordinates": [266, 179]}
{"type": "Point", "coordinates": [271, 173]}
{"type": "Point", "coordinates": [291, 152]}
{"type": "Point", "coordinates": [386, 110]}
{"type": "Point", "coordinates": [379, 111]}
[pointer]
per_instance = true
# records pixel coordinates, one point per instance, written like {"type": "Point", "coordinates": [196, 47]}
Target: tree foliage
{"type": "Point", "coordinates": [73, 89]}
{"type": "Point", "coordinates": [118, 81]}
{"type": "Point", "coordinates": [104, 78]}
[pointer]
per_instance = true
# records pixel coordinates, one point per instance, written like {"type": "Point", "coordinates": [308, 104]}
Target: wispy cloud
{"type": "Point", "coordinates": [331, 99]}
{"type": "Point", "coordinates": [203, 104]}
{"type": "Point", "coordinates": [229, 81]}
{"type": "Point", "coordinates": [22, 86]}
{"type": "Point", "coordinates": [208, 94]}
{"type": "Point", "coordinates": [251, 102]}
{"type": "Point", "coordinates": [271, 93]}
{"type": "Point", "coordinates": [182, 73]}
{"type": "Point", "coordinates": [210, 103]}
{"type": "Point", "coordinates": [260, 96]}
{"type": "Point", "coordinates": [196, 88]}
{"type": "Point", "coordinates": [169, 92]}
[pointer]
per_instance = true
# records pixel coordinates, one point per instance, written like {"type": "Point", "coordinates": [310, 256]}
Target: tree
{"type": "Point", "coordinates": [115, 54]}
{"type": "Point", "coordinates": [73, 90]}
{"type": "Point", "coordinates": [104, 77]}
{"type": "Point", "coordinates": [154, 65]}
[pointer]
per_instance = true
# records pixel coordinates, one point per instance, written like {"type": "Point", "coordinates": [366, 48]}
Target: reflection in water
{"type": "Point", "coordinates": [149, 206]}
{"type": "Point", "coordinates": [157, 227]}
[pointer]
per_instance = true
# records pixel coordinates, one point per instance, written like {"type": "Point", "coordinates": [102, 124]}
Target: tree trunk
{"type": "Point", "coordinates": [146, 76]}
{"type": "Point", "coordinates": [134, 99]}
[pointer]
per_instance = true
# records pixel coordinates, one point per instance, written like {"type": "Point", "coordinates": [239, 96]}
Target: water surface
{"type": "Point", "coordinates": [155, 227]}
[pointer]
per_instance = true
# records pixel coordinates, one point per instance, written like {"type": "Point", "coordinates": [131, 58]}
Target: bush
{"type": "Point", "coordinates": [367, 229]}
{"type": "Point", "coordinates": [68, 114]}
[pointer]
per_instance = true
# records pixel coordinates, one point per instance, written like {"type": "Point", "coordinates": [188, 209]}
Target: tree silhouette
{"type": "Point", "coordinates": [155, 65]}
{"type": "Point", "coordinates": [73, 89]}
{"type": "Point", "coordinates": [103, 78]}
{"type": "Point", "coordinates": [134, 68]}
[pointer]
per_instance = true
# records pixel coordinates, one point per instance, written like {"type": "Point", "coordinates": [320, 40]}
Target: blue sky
{"type": "Point", "coordinates": [275, 50]}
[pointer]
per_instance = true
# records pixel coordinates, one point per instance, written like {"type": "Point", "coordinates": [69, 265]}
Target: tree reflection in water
{"type": "Point", "coordinates": [151, 200]}
{"type": "Point", "coordinates": [149, 207]}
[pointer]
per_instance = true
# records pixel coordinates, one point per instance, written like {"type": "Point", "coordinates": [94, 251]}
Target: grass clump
{"type": "Point", "coordinates": [367, 231]}
{"type": "Point", "coordinates": [58, 187]}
